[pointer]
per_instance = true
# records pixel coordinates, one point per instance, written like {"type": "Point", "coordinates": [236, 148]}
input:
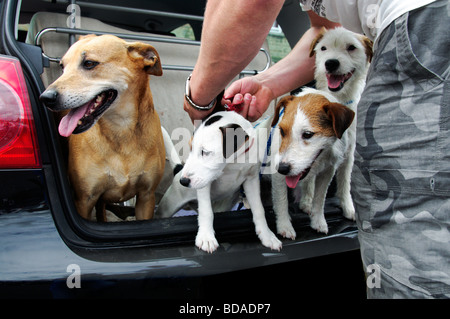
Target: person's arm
{"type": "Point", "coordinates": [233, 32]}
{"type": "Point", "coordinates": [296, 69]}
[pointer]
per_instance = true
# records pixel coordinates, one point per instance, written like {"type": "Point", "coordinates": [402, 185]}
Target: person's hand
{"type": "Point", "coordinates": [250, 96]}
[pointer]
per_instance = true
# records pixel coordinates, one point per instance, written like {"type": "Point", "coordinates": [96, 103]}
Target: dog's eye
{"type": "Point", "coordinates": [205, 152]}
{"type": "Point", "coordinates": [323, 48]}
{"type": "Point", "coordinates": [88, 64]}
{"type": "Point", "coordinates": [282, 132]}
{"type": "Point", "coordinates": [307, 135]}
{"type": "Point", "coordinates": [351, 47]}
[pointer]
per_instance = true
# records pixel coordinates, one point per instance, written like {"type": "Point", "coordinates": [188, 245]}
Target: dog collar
{"type": "Point", "coordinates": [251, 144]}
{"type": "Point", "coordinates": [233, 107]}
{"type": "Point", "coordinates": [269, 143]}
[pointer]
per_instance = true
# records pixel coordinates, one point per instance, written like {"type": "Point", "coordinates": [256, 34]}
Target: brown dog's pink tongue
{"type": "Point", "coordinates": [70, 121]}
{"type": "Point", "coordinates": [292, 181]}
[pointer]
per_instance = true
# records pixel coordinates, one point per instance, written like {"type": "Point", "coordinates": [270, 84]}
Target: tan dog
{"type": "Point", "coordinates": [106, 82]}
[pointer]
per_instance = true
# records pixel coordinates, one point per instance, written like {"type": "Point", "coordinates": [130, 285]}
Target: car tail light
{"type": "Point", "coordinates": [18, 142]}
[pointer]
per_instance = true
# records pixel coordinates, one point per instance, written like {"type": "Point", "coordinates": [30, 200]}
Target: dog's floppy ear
{"type": "Point", "coordinates": [319, 36]}
{"type": "Point", "coordinates": [283, 102]}
{"type": "Point", "coordinates": [368, 46]}
{"type": "Point", "coordinates": [149, 56]}
{"type": "Point", "coordinates": [234, 137]}
{"type": "Point", "coordinates": [190, 142]}
{"type": "Point", "coordinates": [341, 117]}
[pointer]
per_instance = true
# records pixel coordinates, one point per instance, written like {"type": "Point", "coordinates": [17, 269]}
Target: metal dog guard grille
{"type": "Point", "coordinates": [139, 38]}
{"type": "Point", "coordinates": [146, 38]}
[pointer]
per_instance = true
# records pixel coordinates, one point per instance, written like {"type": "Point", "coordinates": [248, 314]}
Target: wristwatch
{"type": "Point", "coordinates": [187, 96]}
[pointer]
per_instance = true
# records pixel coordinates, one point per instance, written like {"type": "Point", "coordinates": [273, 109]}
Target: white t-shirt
{"type": "Point", "coordinates": [369, 17]}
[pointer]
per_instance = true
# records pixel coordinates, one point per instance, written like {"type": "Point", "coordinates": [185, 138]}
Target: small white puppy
{"type": "Point", "coordinates": [221, 160]}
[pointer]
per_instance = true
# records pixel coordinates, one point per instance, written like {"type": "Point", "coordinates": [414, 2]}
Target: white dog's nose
{"type": "Point", "coordinates": [185, 181]}
{"type": "Point", "coordinates": [284, 168]}
{"type": "Point", "coordinates": [332, 65]}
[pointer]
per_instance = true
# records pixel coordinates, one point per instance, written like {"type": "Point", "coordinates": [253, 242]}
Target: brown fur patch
{"type": "Point", "coordinates": [368, 47]}
{"type": "Point", "coordinates": [319, 36]}
{"type": "Point", "coordinates": [326, 118]}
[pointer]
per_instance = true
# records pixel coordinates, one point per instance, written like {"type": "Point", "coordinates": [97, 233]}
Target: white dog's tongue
{"type": "Point", "coordinates": [292, 181]}
{"type": "Point", "coordinates": [70, 121]}
{"type": "Point", "coordinates": [334, 81]}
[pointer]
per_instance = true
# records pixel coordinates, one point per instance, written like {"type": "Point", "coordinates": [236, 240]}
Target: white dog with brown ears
{"type": "Point", "coordinates": [342, 61]}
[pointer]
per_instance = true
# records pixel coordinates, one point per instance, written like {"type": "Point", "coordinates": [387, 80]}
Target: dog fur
{"type": "Point", "coordinates": [314, 141]}
{"type": "Point", "coordinates": [218, 164]}
{"type": "Point", "coordinates": [343, 57]}
{"type": "Point", "coordinates": [116, 148]}
{"type": "Point", "coordinates": [342, 61]}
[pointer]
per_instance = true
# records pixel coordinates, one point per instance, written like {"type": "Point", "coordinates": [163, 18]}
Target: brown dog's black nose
{"type": "Point", "coordinates": [284, 168]}
{"type": "Point", "coordinates": [49, 98]}
{"type": "Point", "coordinates": [185, 181]}
{"type": "Point", "coordinates": [332, 65]}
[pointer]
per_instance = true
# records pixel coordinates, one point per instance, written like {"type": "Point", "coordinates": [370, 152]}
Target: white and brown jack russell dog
{"type": "Point", "coordinates": [314, 144]}
{"type": "Point", "coordinates": [342, 61]}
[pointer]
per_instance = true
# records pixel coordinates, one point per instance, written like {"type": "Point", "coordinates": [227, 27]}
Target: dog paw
{"type": "Point", "coordinates": [286, 230]}
{"type": "Point", "coordinates": [268, 239]}
{"type": "Point", "coordinates": [319, 223]}
{"type": "Point", "coordinates": [305, 206]}
{"type": "Point", "coordinates": [206, 242]}
{"type": "Point", "coordinates": [349, 212]}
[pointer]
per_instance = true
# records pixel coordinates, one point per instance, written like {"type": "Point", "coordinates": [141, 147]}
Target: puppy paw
{"type": "Point", "coordinates": [206, 241]}
{"type": "Point", "coordinates": [319, 223]}
{"type": "Point", "coordinates": [305, 206]}
{"type": "Point", "coordinates": [286, 230]}
{"type": "Point", "coordinates": [268, 239]}
{"type": "Point", "coordinates": [349, 212]}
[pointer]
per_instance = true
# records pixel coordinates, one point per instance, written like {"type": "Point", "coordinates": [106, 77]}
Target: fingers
{"type": "Point", "coordinates": [245, 105]}
{"type": "Point", "coordinates": [233, 90]}
{"type": "Point", "coordinates": [239, 101]}
{"type": "Point", "coordinates": [245, 95]}
{"type": "Point", "coordinates": [245, 100]}
{"type": "Point", "coordinates": [254, 112]}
